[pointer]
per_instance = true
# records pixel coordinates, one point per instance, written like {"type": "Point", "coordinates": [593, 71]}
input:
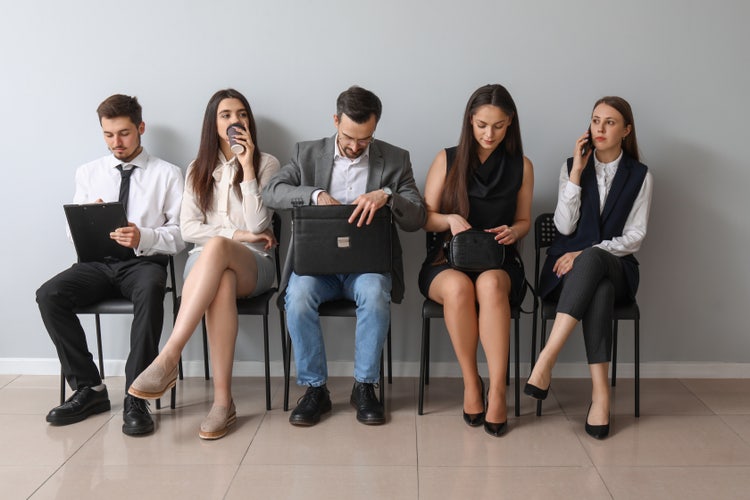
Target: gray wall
{"type": "Point", "coordinates": [679, 63]}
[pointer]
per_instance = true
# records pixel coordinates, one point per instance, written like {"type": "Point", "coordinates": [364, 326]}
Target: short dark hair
{"type": "Point", "coordinates": [358, 104]}
{"type": "Point", "coordinates": [119, 105]}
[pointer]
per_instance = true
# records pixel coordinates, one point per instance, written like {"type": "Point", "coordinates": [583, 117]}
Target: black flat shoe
{"type": "Point", "coordinates": [476, 419]}
{"type": "Point", "coordinates": [494, 429]}
{"type": "Point", "coordinates": [596, 431]}
{"type": "Point", "coordinates": [535, 392]}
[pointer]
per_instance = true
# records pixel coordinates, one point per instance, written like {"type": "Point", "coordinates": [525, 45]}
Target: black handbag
{"type": "Point", "coordinates": [474, 251]}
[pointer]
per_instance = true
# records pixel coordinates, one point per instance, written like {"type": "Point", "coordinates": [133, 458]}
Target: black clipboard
{"type": "Point", "coordinates": [90, 225]}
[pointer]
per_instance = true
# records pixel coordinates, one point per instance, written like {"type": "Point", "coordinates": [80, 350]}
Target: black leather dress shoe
{"type": "Point", "coordinates": [370, 411]}
{"type": "Point", "coordinates": [136, 419]}
{"type": "Point", "coordinates": [83, 403]}
{"type": "Point", "coordinates": [596, 431]}
{"type": "Point", "coordinates": [311, 406]}
{"type": "Point", "coordinates": [476, 419]}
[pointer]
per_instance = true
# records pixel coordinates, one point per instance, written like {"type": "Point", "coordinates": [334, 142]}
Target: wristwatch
{"type": "Point", "coordinates": [388, 193]}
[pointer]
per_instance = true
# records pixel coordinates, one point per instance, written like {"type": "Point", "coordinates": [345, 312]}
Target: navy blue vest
{"type": "Point", "coordinates": [592, 227]}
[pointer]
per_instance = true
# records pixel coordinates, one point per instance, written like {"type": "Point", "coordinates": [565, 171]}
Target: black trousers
{"type": "Point", "coordinates": [589, 293]}
{"type": "Point", "coordinates": [141, 280]}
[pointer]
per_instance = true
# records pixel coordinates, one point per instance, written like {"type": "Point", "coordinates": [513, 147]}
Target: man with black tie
{"type": "Point", "coordinates": [151, 190]}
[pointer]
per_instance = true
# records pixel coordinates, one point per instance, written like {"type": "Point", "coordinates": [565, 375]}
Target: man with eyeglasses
{"type": "Point", "coordinates": [352, 167]}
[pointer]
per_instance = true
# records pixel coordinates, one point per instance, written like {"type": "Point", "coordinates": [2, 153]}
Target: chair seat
{"type": "Point", "coordinates": [109, 306]}
{"type": "Point", "coordinates": [256, 306]}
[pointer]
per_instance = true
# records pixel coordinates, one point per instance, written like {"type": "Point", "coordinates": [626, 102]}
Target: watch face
{"type": "Point", "coordinates": [387, 191]}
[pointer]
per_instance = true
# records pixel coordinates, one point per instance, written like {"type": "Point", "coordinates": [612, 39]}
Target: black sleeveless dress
{"type": "Point", "coordinates": [493, 195]}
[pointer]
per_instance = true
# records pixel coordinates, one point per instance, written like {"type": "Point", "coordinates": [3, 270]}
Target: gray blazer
{"type": "Point", "coordinates": [311, 168]}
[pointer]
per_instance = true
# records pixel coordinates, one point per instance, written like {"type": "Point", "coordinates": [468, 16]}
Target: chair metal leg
{"type": "Point", "coordinates": [542, 341]}
{"type": "Point", "coordinates": [427, 362]}
{"type": "Point", "coordinates": [614, 353]}
{"type": "Point", "coordinates": [637, 357]}
{"type": "Point", "coordinates": [205, 349]}
{"type": "Point", "coordinates": [423, 362]}
{"type": "Point", "coordinates": [267, 362]}
{"type": "Point", "coordinates": [99, 345]}
{"type": "Point", "coordinates": [180, 373]}
{"type": "Point", "coordinates": [284, 359]}
{"type": "Point", "coordinates": [382, 379]}
{"type": "Point", "coordinates": [535, 312]}
{"type": "Point", "coordinates": [390, 356]}
{"type": "Point", "coordinates": [517, 368]}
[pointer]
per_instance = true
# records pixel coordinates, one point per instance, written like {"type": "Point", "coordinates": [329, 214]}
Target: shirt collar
{"type": "Point", "coordinates": [610, 168]}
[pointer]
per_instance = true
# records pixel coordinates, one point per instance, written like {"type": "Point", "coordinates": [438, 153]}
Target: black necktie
{"type": "Point", "coordinates": [125, 185]}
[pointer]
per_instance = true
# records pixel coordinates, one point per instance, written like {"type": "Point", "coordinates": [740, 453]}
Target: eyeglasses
{"type": "Point", "coordinates": [362, 143]}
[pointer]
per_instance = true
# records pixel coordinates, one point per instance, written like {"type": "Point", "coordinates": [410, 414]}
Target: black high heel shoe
{"type": "Point", "coordinates": [535, 392]}
{"type": "Point", "coordinates": [476, 419]}
{"type": "Point", "coordinates": [492, 428]}
{"type": "Point", "coordinates": [596, 431]}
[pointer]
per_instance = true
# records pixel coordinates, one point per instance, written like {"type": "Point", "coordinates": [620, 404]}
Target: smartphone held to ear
{"type": "Point", "coordinates": [588, 145]}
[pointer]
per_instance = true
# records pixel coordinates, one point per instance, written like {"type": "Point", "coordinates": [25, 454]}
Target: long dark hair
{"type": "Point", "coordinates": [455, 197]}
{"type": "Point", "coordinates": [201, 176]}
{"type": "Point", "coordinates": [629, 143]}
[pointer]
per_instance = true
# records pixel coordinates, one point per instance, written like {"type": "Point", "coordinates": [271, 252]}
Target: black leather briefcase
{"type": "Point", "coordinates": [326, 243]}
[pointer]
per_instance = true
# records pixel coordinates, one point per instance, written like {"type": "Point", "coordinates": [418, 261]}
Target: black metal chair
{"type": "Point", "coordinates": [255, 306]}
{"type": "Point", "coordinates": [122, 306]}
{"type": "Point", "coordinates": [337, 308]}
{"type": "Point", "coordinates": [545, 233]}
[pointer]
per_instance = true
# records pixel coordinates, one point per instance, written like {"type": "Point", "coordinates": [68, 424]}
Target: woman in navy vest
{"type": "Point", "coordinates": [602, 214]}
{"type": "Point", "coordinates": [484, 183]}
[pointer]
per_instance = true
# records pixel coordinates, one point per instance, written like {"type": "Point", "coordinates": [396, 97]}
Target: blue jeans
{"type": "Point", "coordinates": [372, 294]}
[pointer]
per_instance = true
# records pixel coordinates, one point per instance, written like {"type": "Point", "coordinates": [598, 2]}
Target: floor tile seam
{"type": "Point", "coordinates": [694, 394]}
{"type": "Point", "coordinates": [255, 435]}
{"type": "Point", "coordinates": [64, 462]}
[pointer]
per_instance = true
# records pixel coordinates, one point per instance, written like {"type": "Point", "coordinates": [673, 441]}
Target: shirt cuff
{"type": "Point", "coordinates": [148, 238]}
{"type": "Point", "coordinates": [314, 196]}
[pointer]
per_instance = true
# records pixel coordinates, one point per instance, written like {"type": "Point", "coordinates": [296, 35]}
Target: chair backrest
{"type": "Point", "coordinates": [545, 233]}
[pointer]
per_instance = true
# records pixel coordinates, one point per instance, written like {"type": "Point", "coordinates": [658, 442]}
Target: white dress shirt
{"type": "Point", "coordinates": [568, 208]}
{"type": "Point", "coordinates": [153, 204]}
{"type": "Point", "coordinates": [230, 211]}
{"type": "Point", "coordinates": [349, 176]}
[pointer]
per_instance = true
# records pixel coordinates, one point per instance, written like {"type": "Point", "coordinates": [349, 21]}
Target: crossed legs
{"type": "Point", "coordinates": [225, 270]}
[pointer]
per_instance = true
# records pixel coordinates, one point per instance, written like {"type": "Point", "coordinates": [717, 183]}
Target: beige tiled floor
{"type": "Point", "coordinates": [691, 441]}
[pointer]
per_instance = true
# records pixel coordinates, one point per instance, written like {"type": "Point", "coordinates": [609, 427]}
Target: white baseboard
{"type": "Point", "coordinates": [51, 366]}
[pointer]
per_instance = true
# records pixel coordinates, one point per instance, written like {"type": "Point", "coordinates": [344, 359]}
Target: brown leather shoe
{"type": "Point", "coordinates": [218, 421]}
{"type": "Point", "coordinates": [153, 382]}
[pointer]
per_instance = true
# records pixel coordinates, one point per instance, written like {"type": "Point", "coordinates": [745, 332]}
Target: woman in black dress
{"type": "Point", "coordinates": [483, 183]}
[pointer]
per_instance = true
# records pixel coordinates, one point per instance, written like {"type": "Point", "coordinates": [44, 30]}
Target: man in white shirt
{"type": "Point", "coordinates": [151, 189]}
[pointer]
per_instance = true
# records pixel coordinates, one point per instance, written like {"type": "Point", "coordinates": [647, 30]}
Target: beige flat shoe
{"type": "Point", "coordinates": [153, 382]}
{"type": "Point", "coordinates": [217, 422]}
